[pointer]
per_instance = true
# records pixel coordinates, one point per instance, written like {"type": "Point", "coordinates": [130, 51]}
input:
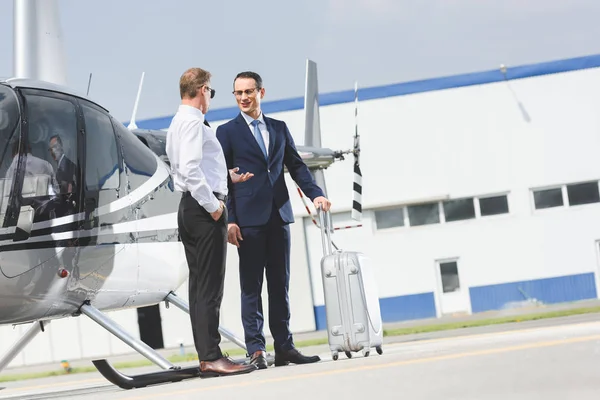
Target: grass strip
{"type": "Point", "coordinates": [489, 321]}
{"type": "Point", "coordinates": [435, 327]}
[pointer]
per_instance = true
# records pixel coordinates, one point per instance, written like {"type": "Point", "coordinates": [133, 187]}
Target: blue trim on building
{"type": "Point", "coordinates": [485, 298]}
{"type": "Point", "coordinates": [401, 89]}
{"type": "Point", "coordinates": [549, 290]}
{"type": "Point", "coordinates": [393, 309]}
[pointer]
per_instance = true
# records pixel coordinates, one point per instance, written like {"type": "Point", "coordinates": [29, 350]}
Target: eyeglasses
{"type": "Point", "coordinates": [249, 92]}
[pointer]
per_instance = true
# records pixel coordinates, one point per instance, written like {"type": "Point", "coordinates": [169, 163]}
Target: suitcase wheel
{"type": "Point", "coordinates": [379, 350]}
{"type": "Point", "coordinates": [334, 356]}
{"type": "Point", "coordinates": [348, 354]}
{"type": "Point", "coordinates": [366, 352]}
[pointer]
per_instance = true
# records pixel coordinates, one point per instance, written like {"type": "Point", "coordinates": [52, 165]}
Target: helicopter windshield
{"type": "Point", "coordinates": [9, 144]}
{"type": "Point", "coordinates": [40, 159]}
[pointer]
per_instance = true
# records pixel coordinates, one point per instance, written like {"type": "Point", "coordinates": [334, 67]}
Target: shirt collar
{"type": "Point", "coordinates": [185, 109]}
{"type": "Point", "coordinates": [249, 119]}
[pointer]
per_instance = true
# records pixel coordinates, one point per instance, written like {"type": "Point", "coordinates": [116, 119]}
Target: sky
{"type": "Point", "coordinates": [374, 42]}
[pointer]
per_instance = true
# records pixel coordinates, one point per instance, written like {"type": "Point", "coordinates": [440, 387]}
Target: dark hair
{"type": "Point", "coordinates": [58, 139]}
{"type": "Point", "coordinates": [251, 75]}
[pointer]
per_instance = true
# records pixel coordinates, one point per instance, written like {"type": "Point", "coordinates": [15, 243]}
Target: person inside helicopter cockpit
{"type": "Point", "coordinates": [40, 186]}
{"type": "Point", "coordinates": [35, 167]}
{"type": "Point", "coordinates": [66, 171]}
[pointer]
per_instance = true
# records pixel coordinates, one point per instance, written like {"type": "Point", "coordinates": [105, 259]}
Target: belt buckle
{"type": "Point", "coordinates": [220, 196]}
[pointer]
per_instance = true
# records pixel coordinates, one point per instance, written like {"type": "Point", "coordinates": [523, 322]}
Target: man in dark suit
{"type": "Point", "coordinates": [259, 216]}
{"type": "Point", "coordinates": [66, 171]}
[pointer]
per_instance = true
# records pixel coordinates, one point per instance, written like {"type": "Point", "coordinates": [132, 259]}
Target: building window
{"type": "Point", "coordinates": [493, 205]}
{"type": "Point", "coordinates": [548, 198]}
{"type": "Point", "coordinates": [583, 193]}
{"type": "Point", "coordinates": [449, 274]}
{"type": "Point", "coordinates": [423, 214]}
{"type": "Point", "coordinates": [389, 218]}
{"type": "Point", "coordinates": [460, 209]}
{"type": "Point", "coordinates": [342, 218]}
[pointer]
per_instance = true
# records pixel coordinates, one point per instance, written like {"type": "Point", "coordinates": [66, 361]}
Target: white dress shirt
{"type": "Point", "coordinates": [261, 126]}
{"type": "Point", "coordinates": [196, 157]}
{"type": "Point", "coordinates": [35, 166]}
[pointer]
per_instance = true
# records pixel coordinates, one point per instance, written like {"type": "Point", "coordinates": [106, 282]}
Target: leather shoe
{"type": "Point", "coordinates": [259, 358]}
{"type": "Point", "coordinates": [224, 366]}
{"type": "Point", "coordinates": [293, 356]}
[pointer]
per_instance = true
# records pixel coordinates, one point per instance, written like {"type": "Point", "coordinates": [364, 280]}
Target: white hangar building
{"type": "Point", "coordinates": [480, 191]}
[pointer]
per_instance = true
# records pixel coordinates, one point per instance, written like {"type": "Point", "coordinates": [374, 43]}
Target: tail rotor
{"type": "Point", "coordinates": [357, 188]}
{"type": "Point", "coordinates": [312, 140]}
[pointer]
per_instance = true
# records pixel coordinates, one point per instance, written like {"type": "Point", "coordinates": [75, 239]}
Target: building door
{"type": "Point", "coordinates": [452, 297]}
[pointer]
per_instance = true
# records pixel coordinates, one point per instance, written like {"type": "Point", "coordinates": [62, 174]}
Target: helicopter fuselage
{"type": "Point", "coordinates": [90, 216]}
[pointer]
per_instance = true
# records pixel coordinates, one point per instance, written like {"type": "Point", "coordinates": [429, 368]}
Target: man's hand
{"type": "Point", "coordinates": [237, 178]}
{"type": "Point", "coordinates": [234, 234]}
{"type": "Point", "coordinates": [217, 214]}
{"type": "Point", "coordinates": [323, 203]}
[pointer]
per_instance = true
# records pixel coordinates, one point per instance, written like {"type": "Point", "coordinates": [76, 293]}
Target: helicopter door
{"type": "Point", "coordinates": [105, 203]}
{"type": "Point", "coordinates": [45, 197]}
{"type": "Point", "coordinates": [102, 169]}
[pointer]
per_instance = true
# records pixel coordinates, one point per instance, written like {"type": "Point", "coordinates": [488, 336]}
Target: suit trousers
{"type": "Point", "coordinates": [205, 243]}
{"type": "Point", "coordinates": [263, 249]}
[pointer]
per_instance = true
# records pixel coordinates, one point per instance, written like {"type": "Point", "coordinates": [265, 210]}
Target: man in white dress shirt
{"type": "Point", "coordinates": [34, 166]}
{"type": "Point", "coordinates": [199, 171]}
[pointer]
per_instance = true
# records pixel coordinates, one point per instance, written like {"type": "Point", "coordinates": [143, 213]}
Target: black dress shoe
{"type": "Point", "coordinates": [259, 358]}
{"type": "Point", "coordinates": [293, 356]}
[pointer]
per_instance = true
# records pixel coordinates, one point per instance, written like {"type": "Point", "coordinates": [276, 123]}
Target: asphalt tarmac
{"type": "Point", "coordinates": [548, 360]}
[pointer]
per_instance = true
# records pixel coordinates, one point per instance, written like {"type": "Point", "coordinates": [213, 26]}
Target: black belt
{"type": "Point", "coordinates": [219, 196]}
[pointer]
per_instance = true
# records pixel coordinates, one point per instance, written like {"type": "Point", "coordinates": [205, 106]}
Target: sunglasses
{"type": "Point", "coordinates": [212, 92]}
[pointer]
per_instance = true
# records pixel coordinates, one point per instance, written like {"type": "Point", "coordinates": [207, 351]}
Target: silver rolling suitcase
{"type": "Point", "coordinates": [351, 298]}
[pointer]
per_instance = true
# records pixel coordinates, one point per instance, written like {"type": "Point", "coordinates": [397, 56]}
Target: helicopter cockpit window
{"type": "Point", "coordinates": [50, 151]}
{"type": "Point", "coordinates": [102, 162]}
{"type": "Point", "coordinates": [53, 139]}
{"type": "Point", "coordinates": [9, 140]}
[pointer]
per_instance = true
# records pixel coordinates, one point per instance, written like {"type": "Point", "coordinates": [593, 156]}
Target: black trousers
{"type": "Point", "coordinates": [205, 243]}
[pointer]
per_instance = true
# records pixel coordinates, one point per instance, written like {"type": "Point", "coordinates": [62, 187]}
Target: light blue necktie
{"type": "Point", "coordinates": [259, 138]}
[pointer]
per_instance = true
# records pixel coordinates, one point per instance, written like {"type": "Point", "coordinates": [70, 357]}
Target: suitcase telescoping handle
{"type": "Point", "coordinates": [324, 219]}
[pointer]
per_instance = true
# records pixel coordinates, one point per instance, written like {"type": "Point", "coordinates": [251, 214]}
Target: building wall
{"type": "Point", "coordinates": [465, 137]}
{"type": "Point", "coordinates": [483, 140]}
{"type": "Point", "coordinates": [70, 339]}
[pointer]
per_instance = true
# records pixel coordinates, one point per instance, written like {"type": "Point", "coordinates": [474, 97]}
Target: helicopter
{"type": "Point", "coordinates": [87, 205]}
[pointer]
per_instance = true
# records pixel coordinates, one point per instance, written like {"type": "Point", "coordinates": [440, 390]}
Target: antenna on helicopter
{"type": "Point", "coordinates": [89, 83]}
{"type": "Point", "coordinates": [357, 195]}
{"type": "Point", "coordinates": [132, 124]}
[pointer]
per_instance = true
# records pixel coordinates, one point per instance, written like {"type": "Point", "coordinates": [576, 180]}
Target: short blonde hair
{"type": "Point", "coordinates": [191, 80]}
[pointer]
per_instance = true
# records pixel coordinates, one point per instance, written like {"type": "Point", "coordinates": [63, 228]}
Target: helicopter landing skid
{"type": "Point", "coordinates": [175, 374]}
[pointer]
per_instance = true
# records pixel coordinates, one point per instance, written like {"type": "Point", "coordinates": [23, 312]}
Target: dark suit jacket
{"type": "Point", "coordinates": [66, 173]}
{"type": "Point", "coordinates": [249, 203]}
